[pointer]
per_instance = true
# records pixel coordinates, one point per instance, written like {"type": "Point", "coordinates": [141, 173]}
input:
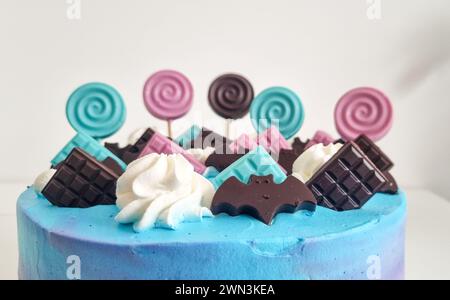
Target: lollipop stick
{"type": "Point", "coordinates": [227, 128]}
{"type": "Point", "coordinates": [169, 128]}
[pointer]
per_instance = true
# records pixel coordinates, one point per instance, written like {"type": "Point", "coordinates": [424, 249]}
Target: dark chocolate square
{"type": "Point", "coordinates": [78, 184]}
{"type": "Point", "coordinates": [325, 183]}
{"type": "Point", "coordinates": [89, 171]}
{"type": "Point", "coordinates": [81, 181]}
{"type": "Point", "coordinates": [131, 152]}
{"type": "Point", "coordinates": [374, 153]}
{"type": "Point", "coordinates": [75, 162]}
{"type": "Point", "coordinates": [364, 170]}
{"type": "Point", "coordinates": [347, 181]}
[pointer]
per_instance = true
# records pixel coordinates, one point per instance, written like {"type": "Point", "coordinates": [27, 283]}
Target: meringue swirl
{"type": "Point", "coordinates": [160, 190]}
{"type": "Point", "coordinates": [310, 161]}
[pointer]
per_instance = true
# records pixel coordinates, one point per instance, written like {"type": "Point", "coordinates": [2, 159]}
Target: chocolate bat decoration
{"type": "Point", "coordinates": [262, 198]}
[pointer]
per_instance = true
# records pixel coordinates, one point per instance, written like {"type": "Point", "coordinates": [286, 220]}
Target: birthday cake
{"type": "Point", "coordinates": [264, 205]}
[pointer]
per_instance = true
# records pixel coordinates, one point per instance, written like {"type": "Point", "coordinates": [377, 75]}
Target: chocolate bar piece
{"type": "Point", "coordinates": [271, 139]}
{"type": "Point", "coordinates": [89, 145]}
{"type": "Point", "coordinates": [347, 181]}
{"type": "Point", "coordinates": [298, 145]}
{"type": "Point", "coordinates": [262, 198]}
{"type": "Point", "coordinates": [339, 141]}
{"type": "Point", "coordinates": [222, 161]}
{"type": "Point", "coordinates": [374, 153]}
{"type": "Point", "coordinates": [131, 152]}
{"type": "Point", "coordinates": [287, 158]}
{"type": "Point", "coordinates": [82, 181]}
{"type": "Point", "coordinates": [208, 138]}
{"type": "Point", "coordinates": [390, 186]}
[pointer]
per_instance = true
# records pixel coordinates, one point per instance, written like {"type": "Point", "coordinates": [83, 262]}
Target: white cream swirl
{"type": "Point", "coordinates": [41, 181]}
{"type": "Point", "coordinates": [310, 161]}
{"type": "Point", "coordinates": [201, 154]}
{"type": "Point", "coordinates": [163, 191]}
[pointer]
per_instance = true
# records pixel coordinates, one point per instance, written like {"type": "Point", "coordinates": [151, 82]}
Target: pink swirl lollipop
{"type": "Point", "coordinates": [168, 95]}
{"type": "Point", "coordinates": [363, 110]}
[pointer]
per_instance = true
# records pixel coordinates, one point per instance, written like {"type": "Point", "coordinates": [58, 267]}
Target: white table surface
{"type": "Point", "coordinates": [427, 236]}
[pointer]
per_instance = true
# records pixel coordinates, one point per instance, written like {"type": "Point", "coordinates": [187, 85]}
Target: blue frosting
{"type": "Point", "coordinates": [325, 245]}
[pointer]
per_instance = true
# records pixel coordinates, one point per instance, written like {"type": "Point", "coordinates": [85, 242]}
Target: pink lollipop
{"type": "Point", "coordinates": [363, 110]}
{"type": "Point", "coordinates": [168, 95]}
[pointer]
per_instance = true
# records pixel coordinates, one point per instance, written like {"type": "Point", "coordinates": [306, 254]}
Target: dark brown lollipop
{"type": "Point", "coordinates": [230, 96]}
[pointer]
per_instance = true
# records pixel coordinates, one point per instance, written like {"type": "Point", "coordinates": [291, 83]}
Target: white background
{"type": "Point", "coordinates": [318, 48]}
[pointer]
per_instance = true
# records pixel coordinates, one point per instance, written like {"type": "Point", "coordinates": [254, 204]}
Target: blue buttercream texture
{"type": "Point", "coordinates": [366, 243]}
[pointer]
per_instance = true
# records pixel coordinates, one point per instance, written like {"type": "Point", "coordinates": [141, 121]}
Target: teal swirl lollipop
{"type": "Point", "coordinates": [96, 109]}
{"type": "Point", "coordinates": [277, 106]}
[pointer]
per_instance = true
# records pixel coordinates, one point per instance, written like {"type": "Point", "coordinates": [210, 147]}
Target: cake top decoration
{"type": "Point", "coordinates": [312, 159]}
{"type": "Point", "coordinates": [262, 198]}
{"type": "Point", "coordinates": [160, 144]}
{"type": "Point", "coordinates": [230, 96]}
{"type": "Point", "coordinates": [270, 139]}
{"type": "Point", "coordinates": [163, 182]}
{"type": "Point", "coordinates": [96, 109]}
{"type": "Point", "coordinates": [257, 162]}
{"type": "Point", "coordinates": [163, 191]}
{"type": "Point", "coordinates": [185, 139]}
{"type": "Point", "coordinates": [82, 181]}
{"type": "Point", "coordinates": [138, 141]}
{"type": "Point", "coordinates": [89, 145]}
{"type": "Point", "coordinates": [320, 137]}
{"type": "Point", "coordinates": [277, 106]}
{"type": "Point", "coordinates": [208, 138]}
{"type": "Point", "coordinates": [363, 111]}
{"type": "Point", "coordinates": [168, 95]}
{"type": "Point", "coordinates": [347, 180]}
